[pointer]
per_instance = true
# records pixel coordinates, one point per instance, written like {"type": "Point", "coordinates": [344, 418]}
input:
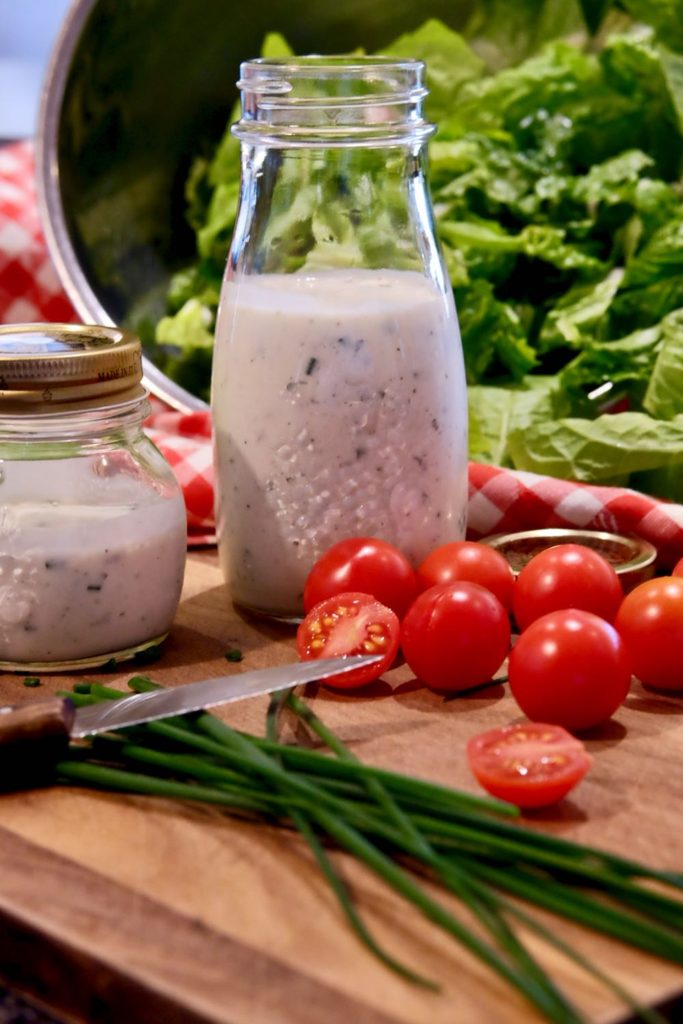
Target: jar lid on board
{"type": "Point", "coordinates": [632, 558]}
{"type": "Point", "coordinates": [53, 368]}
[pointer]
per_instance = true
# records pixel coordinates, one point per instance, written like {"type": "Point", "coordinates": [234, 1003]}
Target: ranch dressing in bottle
{"type": "Point", "coordinates": [338, 391]}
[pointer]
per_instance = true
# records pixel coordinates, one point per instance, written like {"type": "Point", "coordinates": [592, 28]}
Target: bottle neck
{"type": "Point", "coordinates": [333, 168]}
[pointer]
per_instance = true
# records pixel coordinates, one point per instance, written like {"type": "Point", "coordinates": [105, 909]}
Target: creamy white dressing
{"type": "Point", "coordinates": [339, 407]}
{"type": "Point", "coordinates": [92, 556]}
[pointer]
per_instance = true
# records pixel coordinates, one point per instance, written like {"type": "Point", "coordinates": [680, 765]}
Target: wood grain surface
{"type": "Point", "coordinates": [117, 908]}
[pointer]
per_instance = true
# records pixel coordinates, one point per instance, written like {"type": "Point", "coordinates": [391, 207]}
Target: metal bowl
{"type": "Point", "coordinates": [134, 90]}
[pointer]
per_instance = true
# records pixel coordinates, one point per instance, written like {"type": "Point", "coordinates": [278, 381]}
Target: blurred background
{"type": "Point", "coordinates": [28, 29]}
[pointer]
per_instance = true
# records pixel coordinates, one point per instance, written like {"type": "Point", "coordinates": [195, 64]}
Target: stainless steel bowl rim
{"type": "Point", "coordinates": [60, 249]}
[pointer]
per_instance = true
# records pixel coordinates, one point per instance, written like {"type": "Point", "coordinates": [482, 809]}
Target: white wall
{"type": "Point", "coordinates": [28, 29]}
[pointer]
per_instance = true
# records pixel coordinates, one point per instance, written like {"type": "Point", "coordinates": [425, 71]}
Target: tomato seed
{"type": "Point", "coordinates": [375, 627]}
{"type": "Point", "coordinates": [317, 643]}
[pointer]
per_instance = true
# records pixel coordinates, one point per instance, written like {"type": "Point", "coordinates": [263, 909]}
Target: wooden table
{"type": "Point", "coordinates": [116, 908]}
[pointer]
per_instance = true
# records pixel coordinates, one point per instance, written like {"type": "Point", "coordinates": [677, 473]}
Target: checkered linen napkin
{"type": "Point", "coordinates": [30, 290]}
{"type": "Point", "coordinates": [185, 440]}
{"type": "Point", "coordinates": [500, 500]}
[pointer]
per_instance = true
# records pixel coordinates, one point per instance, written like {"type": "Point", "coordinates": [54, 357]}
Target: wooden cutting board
{"type": "Point", "coordinates": [116, 908]}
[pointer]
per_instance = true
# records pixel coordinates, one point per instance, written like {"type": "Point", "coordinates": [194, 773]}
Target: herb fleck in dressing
{"type": "Point", "coordinates": [339, 409]}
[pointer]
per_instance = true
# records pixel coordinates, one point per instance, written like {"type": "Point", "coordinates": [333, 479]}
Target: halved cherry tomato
{"type": "Point", "coordinates": [362, 564]}
{"type": "Point", "coordinates": [570, 668]}
{"type": "Point", "coordinates": [678, 568]}
{"type": "Point", "coordinates": [530, 765]}
{"type": "Point", "coordinates": [650, 621]}
{"type": "Point", "coordinates": [350, 624]}
{"type": "Point", "coordinates": [469, 560]}
{"type": "Point", "coordinates": [455, 636]}
{"type": "Point", "coordinates": [566, 576]}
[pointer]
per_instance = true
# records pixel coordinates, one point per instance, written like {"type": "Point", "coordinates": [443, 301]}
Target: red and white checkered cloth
{"type": "Point", "coordinates": [500, 500]}
{"type": "Point", "coordinates": [30, 290]}
{"type": "Point", "coordinates": [185, 440]}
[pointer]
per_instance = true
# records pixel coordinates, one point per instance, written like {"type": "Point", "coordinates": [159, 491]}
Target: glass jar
{"type": "Point", "coordinates": [92, 521]}
{"type": "Point", "coordinates": [338, 389]}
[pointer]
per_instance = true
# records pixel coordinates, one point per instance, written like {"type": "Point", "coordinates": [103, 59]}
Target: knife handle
{"type": "Point", "coordinates": [32, 738]}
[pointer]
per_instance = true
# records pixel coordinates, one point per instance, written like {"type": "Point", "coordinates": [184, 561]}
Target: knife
{"type": "Point", "coordinates": [40, 731]}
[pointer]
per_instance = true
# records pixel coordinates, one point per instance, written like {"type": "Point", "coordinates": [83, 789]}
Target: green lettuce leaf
{"type": "Point", "coordinates": [185, 345]}
{"type": "Point", "coordinates": [492, 334]}
{"type": "Point", "coordinates": [664, 395]}
{"type": "Point", "coordinates": [225, 166]}
{"type": "Point", "coordinates": [536, 241]}
{"type": "Point", "coordinates": [549, 82]}
{"type": "Point", "coordinates": [495, 412]}
{"type": "Point", "coordinates": [213, 238]}
{"type": "Point", "coordinates": [666, 17]}
{"type": "Point", "coordinates": [660, 257]}
{"type": "Point", "coordinates": [579, 316]}
{"type": "Point", "coordinates": [612, 370]}
{"type": "Point", "coordinates": [603, 450]}
{"type": "Point", "coordinates": [191, 325]}
{"type": "Point", "coordinates": [647, 77]}
{"type": "Point", "coordinates": [652, 285]}
{"type": "Point", "coordinates": [507, 33]}
{"type": "Point", "coordinates": [200, 281]}
{"type": "Point", "coordinates": [449, 59]}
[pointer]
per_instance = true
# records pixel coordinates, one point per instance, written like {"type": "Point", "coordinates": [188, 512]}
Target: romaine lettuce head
{"type": "Point", "coordinates": [556, 181]}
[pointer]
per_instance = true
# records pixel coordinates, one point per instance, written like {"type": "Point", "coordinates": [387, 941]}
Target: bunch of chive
{"type": "Point", "coordinates": [401, 828]}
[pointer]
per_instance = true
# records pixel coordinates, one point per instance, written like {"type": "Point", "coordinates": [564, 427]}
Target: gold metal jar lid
{"type": "Point", "coordinates": [632, 557]}
{"type": "Point", "coordinates": [52, 368]}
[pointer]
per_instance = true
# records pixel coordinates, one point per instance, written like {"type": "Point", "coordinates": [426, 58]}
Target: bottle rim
{"type": "Point", "coordinates": [332, 100]}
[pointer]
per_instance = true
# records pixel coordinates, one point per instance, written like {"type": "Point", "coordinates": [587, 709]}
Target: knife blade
{"type": "Point", "coordinates": [179, 700]}
{"type": "Point", "coordinates": [40, 730]}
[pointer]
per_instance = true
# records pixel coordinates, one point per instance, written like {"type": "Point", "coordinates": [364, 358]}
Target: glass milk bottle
{"type": "Point", "coordinates": [338, 390]}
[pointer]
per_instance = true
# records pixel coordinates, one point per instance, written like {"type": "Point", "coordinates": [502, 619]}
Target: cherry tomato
{"type": "Point", "coordinates": [566, 576]}
{"type": "Point", "coordinates": [362, 564]}
{"type": "Point", "coordinates": [350, 624]}
{"type": "Point", "coordinates": [569, 668]}
{"type": "Point", "coordinates": [472, 561]}
{"type": "Point", "coordinates": [455, 636]}
{"type": "Point", "coordinates": [650, 621]}
{"type": "Point", "coordinates": [678, 568]}
{"type": "Point", "coordinates": [532, 765]}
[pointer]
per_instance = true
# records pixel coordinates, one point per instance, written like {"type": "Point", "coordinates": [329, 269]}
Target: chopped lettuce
{"type": "Point", "coordinates": [603, 450]}
{"type": "Point", "coordinates": [495, 413]}
{"type": "Point", "coordinates": [186, 343]}
{"type": "Point", "coordinates": [579, 317]}
{"type": "Point", "coordinates": [449, 60]}
{"type": "Point", "coordinates": [664, 395]}
{"type": "Point", "coordinates": [666, 16]}
{"type": "Point", "coordinates": [557, 190]}
{"type": "Point", "coordinates": [609, 371]}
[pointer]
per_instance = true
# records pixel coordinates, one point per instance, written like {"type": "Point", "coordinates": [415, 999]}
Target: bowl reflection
{"type": "Point", "coordinates": [137, 88]}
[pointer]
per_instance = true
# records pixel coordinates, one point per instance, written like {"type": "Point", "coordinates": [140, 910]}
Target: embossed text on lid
{"type": "Point", "coordinates": [57, 367]}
